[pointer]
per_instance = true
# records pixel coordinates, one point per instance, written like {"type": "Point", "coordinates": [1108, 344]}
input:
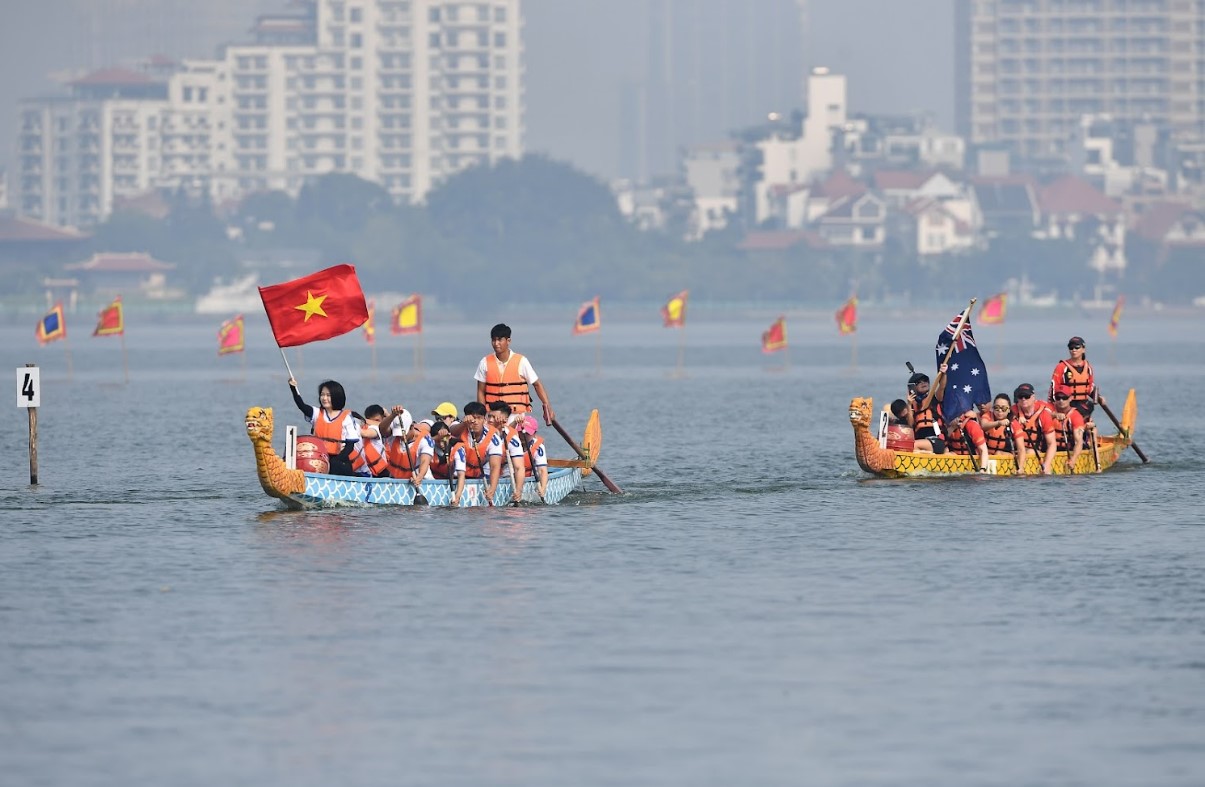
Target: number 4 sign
{"type": "Point", "coordinates": [29, 387]}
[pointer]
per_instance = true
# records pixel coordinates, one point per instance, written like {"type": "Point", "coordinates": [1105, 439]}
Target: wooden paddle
{"type": "Point", "coordinates": [607, 482]}
{"type": "Point", "coordinates": [1120, 429]}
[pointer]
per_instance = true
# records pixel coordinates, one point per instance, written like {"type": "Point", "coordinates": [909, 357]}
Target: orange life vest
{"type": "Point", "coordinates": [926, 419]}
{"type": "Point", "coordinates": [331, 433]}
{"type": "Point", "coordinates": [1065, 431]}
{"type": "Point", "coordinates": [374, 460]}
{"type": "Point", "coordinates": [1000, 439]}
{"type": "Point", "coordinates": [505, 384]}
{"type": "Point", "coordinates": [476, 453]}
{"type": "Point", "coordinates": [529, 456]}
{"type": "Point", "coordinates": [441, 463]}
{"type": "Point", "coordinates": [1035, 438]}
{"type": "Point", "coordinates": [402, 457]}
{"type": "Point", "coordinates": [956, 437]}
{"type": "Point", "coordinates": [1082, 382]}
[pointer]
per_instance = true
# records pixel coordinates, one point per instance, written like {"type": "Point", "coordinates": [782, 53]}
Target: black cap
{"type": "Point", "coordinates": [918, 377]}
{"type": "Point", "coordinates": [1076, 340]}
{"type": "Point", "coordinates": [1024, 389]}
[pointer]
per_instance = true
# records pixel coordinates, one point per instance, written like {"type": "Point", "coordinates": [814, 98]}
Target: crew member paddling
{"type": "Point", "coordinates": [506, 376]}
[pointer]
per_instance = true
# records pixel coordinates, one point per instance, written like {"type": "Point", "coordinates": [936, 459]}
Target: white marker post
{"type": "Point", "coordinates": [29, 396]}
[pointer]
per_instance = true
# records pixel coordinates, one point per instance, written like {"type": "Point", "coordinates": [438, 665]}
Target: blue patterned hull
{"type": "Point", "coordinates": [333, 490]}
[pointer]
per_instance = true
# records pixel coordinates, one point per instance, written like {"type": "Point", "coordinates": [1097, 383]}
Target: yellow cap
{"type": "Point", "coordinates": [444, 409]}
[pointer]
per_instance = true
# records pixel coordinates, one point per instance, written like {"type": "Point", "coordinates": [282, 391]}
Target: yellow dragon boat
{"type": "Point", "coordinates": [874, 458]}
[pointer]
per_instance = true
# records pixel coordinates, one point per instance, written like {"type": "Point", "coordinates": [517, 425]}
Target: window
{"type": "Point", "coordinates": [356, 15]}
{"type": "Point", "coordinates": [357, 40]}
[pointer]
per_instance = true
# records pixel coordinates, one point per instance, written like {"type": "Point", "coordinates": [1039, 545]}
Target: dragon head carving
{"type": "Point", "coordinates": [860, 410]}
{"type": "Point", "coordinates": [259, 423]}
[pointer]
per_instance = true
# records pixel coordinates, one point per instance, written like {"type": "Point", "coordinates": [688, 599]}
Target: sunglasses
{"type": "Point", "coordinates": [1025, 396]}
{"type": "Point", "coordinates": [1075, 346]}
{"type": "Point", "coordinates": [999, 407]}
{"type": "Point", "coordinates": [1061, 397]}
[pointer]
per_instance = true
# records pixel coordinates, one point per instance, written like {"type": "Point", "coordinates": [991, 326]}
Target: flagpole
{"type": "Point", "coordinates": [125, 359]}
{"type": "Point", "coordinates": [597, 353]}
{"type": "Point", "coordinates": [286, 360]}
{"type": "Point", "coordinates": [67, 352]}
{"type": "Point", "coordinates": [243, 364]}
{"type": "Point", "coordinates": [681, 351]}
{"type": "Point", "coordinates": [373, 348]}
{"type": "Point", "coordinates": [853, 351]}
{"type": "Point", "coordinates": [422, 357]}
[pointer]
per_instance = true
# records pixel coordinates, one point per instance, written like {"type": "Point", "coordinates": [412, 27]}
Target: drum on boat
{"type": "Point", "coordinates": [311, 455]}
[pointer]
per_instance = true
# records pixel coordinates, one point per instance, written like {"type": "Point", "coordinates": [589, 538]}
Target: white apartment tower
{"type": "Point", "coordinates": [400, 92]}
{"type": "Point", "coordinates": [1028, 70]}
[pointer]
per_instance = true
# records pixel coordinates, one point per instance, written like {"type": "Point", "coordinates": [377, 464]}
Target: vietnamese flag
{"type": "Point", "coordinates": [231, 336]}
{"type": "Point", "coordinates": [775, 339]}
{"type": "Point", "coordinates": [673, 313]}
{"type": "Point", "coordinates": [111, 320]}
{"type": "Point", "coordinates": [993, 309]}
{"type": "Point", "coordinates": [408, 316]}
{"type": "Point", "coordinates": [320, 306]}
{"type": "Point", "coordinates": [847, 317]}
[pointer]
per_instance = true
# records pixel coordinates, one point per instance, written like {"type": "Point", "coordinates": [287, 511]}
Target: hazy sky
{"type": "Point", "coordinates": [583, 58]}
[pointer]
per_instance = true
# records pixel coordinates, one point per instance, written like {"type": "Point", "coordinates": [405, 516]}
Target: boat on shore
{"type": "Point", "coordinates": [299, 489]}
{"type": "Point", "coordinates": [874, 457]}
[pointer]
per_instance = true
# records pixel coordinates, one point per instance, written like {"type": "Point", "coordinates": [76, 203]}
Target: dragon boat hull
{"type": "Point", "coordinates": [300, 490]}
{"type": "Point", "coordinates": [334, 490]}
{"type": "Point", "coordinates": [886, 463]}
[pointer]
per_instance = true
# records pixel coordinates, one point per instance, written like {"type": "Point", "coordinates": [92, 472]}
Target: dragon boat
{"type": "Point", "coordinates": [874, 457]}
{"type": "Point", "coordinates": [299, 489]}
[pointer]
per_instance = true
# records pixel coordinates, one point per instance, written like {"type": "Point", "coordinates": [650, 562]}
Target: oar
{"type": "Point", "coordinates": [607, 482]}
{"type": "Point", "coordinates": [1095, 449]}
{"type": "Point", "coordinates": [1120, 429]}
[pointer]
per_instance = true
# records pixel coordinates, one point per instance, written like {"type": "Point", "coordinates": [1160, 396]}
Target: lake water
{"type": "Point", "coordinates": [753, 611]}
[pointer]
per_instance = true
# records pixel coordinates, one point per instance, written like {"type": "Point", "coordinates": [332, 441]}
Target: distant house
{"type": "Point", "coordinates": [855, 222]}
{"type": "Point", "coordinates": [931, 228]}
{"type": "Point", "coordinates": [29, 248]}
{"type": "Point", "coordinates": [124, 272]}
{"type": "Point", "coordinates": [1008, 203]}
{"type": "Point", "coordinates": [1072, 208]}
{"type": "Point", "coordinates": [899, 187]}
{"type": "Point", "coordinates": [1171, 225]}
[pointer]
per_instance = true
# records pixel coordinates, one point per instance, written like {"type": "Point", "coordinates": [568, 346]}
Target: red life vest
{"type": "Point", "coordinates": [957, 436]}
{"type": "Point", "coordinates": [331, 433]}
{"type": "Point", "coordinates": [1035, 428]}
{"type": "Point", "coordinates": [505, 384]}
{"type": "Point", "coordinates": [1082, 382]}
{"type": "Point", "coordinates": [441, 462]}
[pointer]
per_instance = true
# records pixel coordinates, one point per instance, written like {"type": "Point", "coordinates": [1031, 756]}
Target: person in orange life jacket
{"type": "Point", "coordinates": [924, 416]}
{"type": "Point", "coordinates": [1037, 420]}
{"type": "Point", "coordinates": [373, 443]}
{"type": "Point", "coordinates": [1077, 374]}
{"type": "Point", "coordinates": [1071, 427]}
{"type": "Point", "coordinates": [500, 420]}
{"type": "Point", "coordinates": [900, 436]}
{"type": "Point", "coordinates": [964, 434]}
{"type": "Point", "coordinates": [535, 458]}
{"type": "Point", "coordinates": [506, 375]}
{"type": "Point", "coordinates": [1003, 431]}
{"type": "Point", "coordinates": [484, 450]}
{"type": "Point", "coordinates": [458, 463]}
{"type": "Point", "coordinates": [339, 428]}
{"type": "Point", "coordinates": [441, 439]}
{"type": "Point", "coordinates": [410, 455]}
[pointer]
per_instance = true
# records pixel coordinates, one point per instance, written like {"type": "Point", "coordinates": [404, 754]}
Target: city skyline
{"type": "Point", "coordinates": [582, 62]}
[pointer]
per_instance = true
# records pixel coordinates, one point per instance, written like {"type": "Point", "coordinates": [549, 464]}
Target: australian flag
{"type": "Point", "coordinates": [966, 376]}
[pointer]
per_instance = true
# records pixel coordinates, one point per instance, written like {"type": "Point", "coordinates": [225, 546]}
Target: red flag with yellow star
{"type": "Point", "coordinates": [320, 306]}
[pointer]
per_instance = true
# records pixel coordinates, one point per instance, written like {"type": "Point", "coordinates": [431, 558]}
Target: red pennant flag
{"type": "Point", "coordinates": [53, 326]}
{"type": "Point", "coordinates": [674, 311]}
{"type": "Point", "coordinates": [775, 339]}
{"type": "Point", "coordinates": [370, 327]}
{"type": "Point", "coordinates": [231, 337]}
{"type": "Point", "coordinates": [847, 317]}
{"type": "Point", "coordinates": [408, 316]}
{"type": "Point", "coordinates": [1116, 318]}
{"type": "Point", "coordinates": [589, 319]}
{"type": "Point", "coordinates": [993, 310]}
{"type": "Point", "coordinates": [320, 306]}
{"type": "Point", "coordinates": [112, 320]}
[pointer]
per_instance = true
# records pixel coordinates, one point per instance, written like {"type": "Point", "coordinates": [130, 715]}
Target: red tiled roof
{"type": "Point", "coordinates": [783, 189]}
{"type": "Point", "coordinates": [18, 229]}
{"type": "Point", "coordinates": [900, 179]}
{"type": "Point", "coordinates": [840, 184]}
{"type": "Point", "coordinates": [779, 240]}
{"type": "Point", "coordinates": [1157, 219]}
{"type": "Point", "coordinates": [113, 262]}
{"type": "Point", "coordinates": [114, 76]}
{"type": "Point", "coordinates": [1070, 194]}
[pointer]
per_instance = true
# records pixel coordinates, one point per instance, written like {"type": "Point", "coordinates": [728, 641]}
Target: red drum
{"type": "Point", "coordinates": [311, 455]}
{"type": "Point", "coordinates": [900, 437]}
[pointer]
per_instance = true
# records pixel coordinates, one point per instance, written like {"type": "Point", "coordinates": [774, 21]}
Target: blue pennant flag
{"type": "Point", "coordinates": [966, 376]}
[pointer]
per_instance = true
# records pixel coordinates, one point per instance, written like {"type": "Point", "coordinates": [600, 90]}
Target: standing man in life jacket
{"type": "Point", "coordinates": [505, 376]}
{"type": "Point", "coordinates": [1076, 373]}
{"type": "Point", "coordinates": [924, 415]}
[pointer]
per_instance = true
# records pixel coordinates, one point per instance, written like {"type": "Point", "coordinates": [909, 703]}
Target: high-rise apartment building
{"type": "Point", "coordinates": [1028, 70]}
{"type": "Point", "coordinates": [400, 92]}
